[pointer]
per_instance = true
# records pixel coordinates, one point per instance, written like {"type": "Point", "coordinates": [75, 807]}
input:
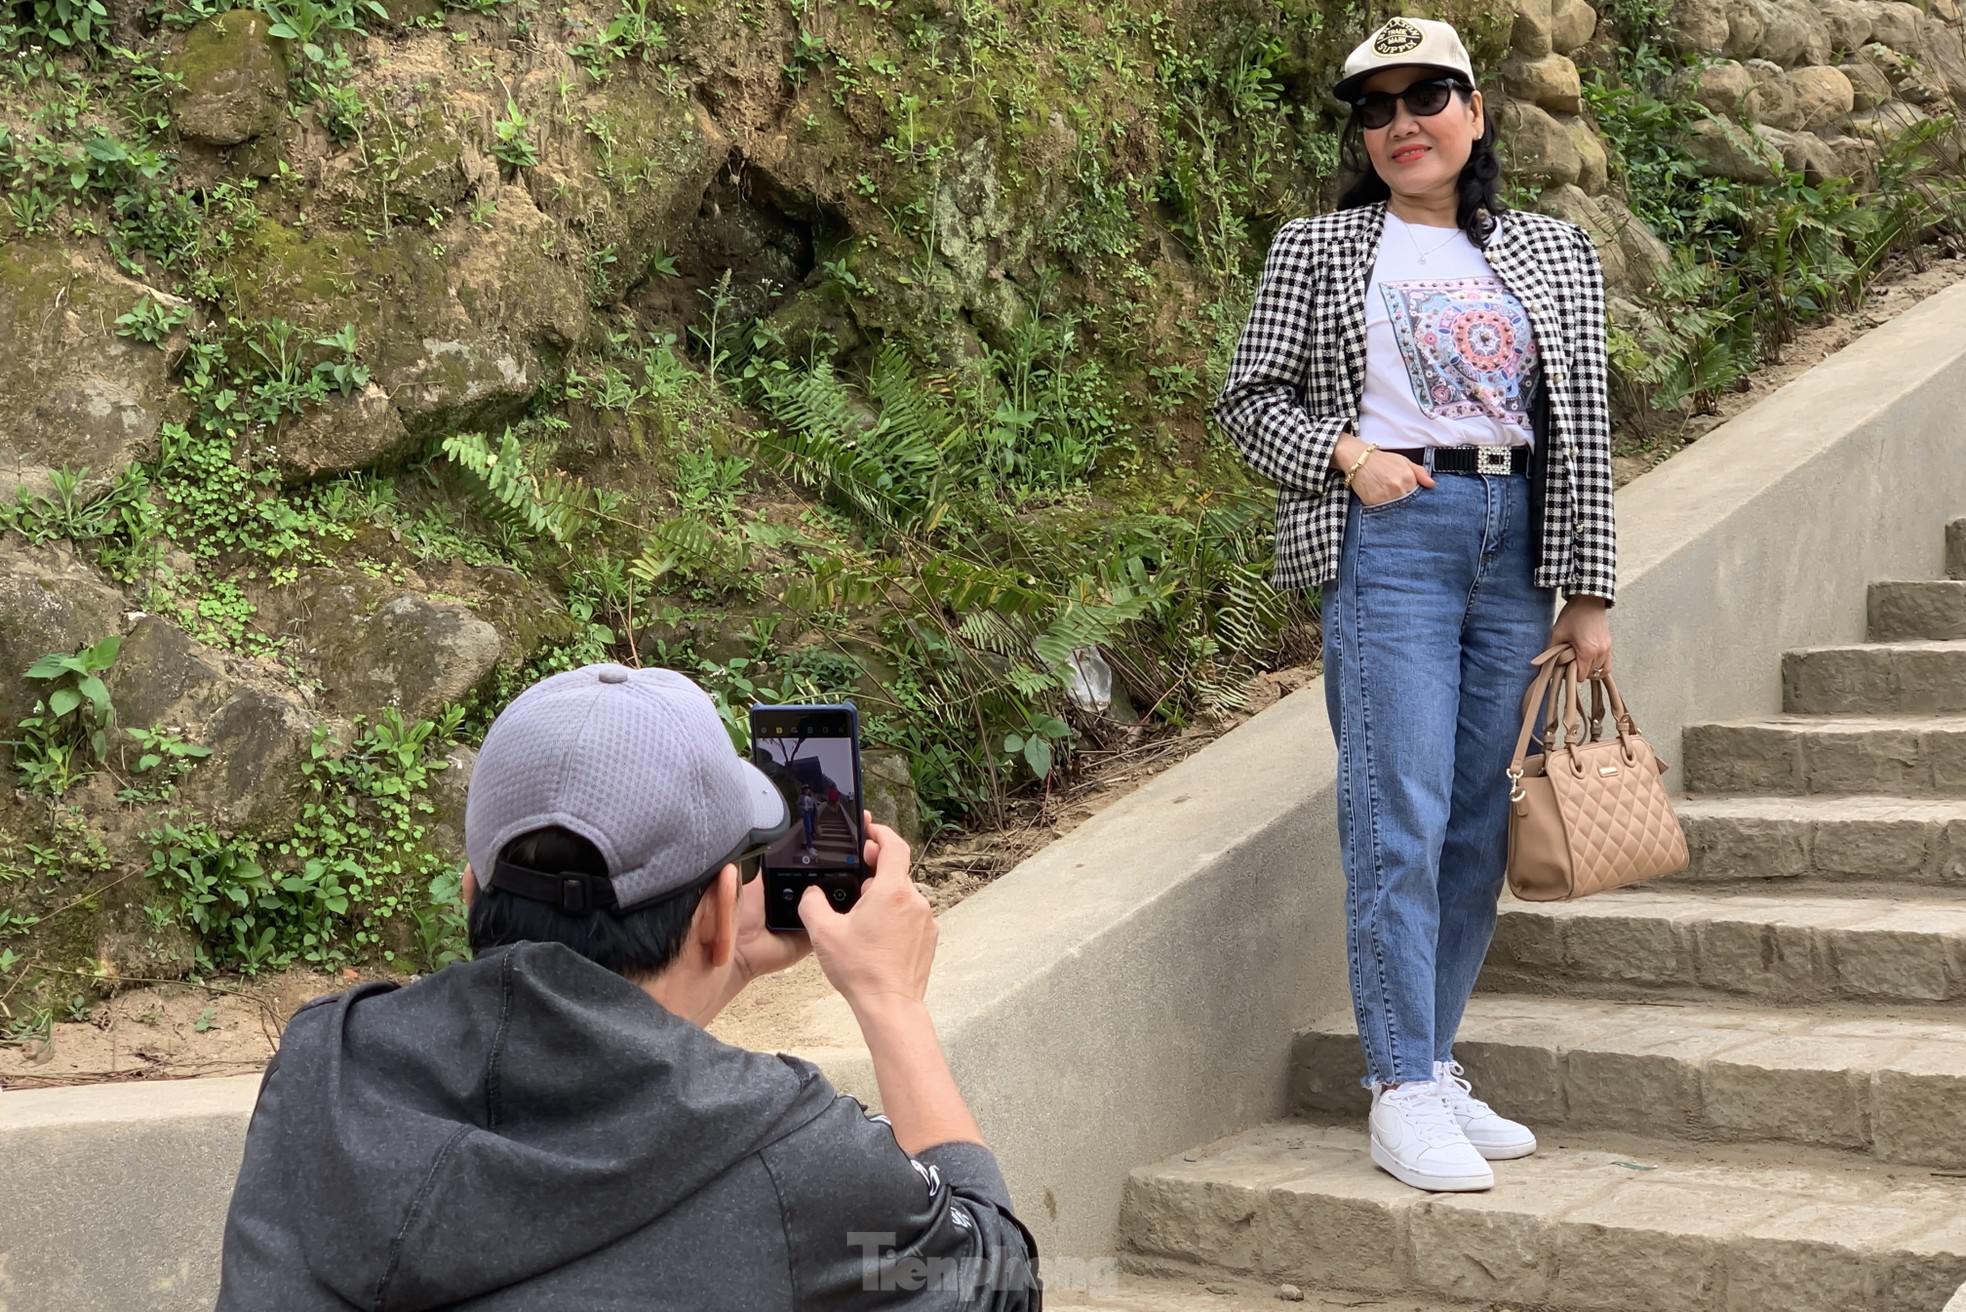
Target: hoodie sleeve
{"type": "Point", "coordinates": [868, 1226]}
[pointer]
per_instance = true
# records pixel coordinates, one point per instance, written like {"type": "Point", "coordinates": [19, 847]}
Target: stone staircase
{"type": "Point", "coordinates": [1749, 1080]}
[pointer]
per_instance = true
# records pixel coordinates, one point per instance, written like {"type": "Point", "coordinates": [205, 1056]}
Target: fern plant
{"type": "Point", "coordinates": [550, 505]}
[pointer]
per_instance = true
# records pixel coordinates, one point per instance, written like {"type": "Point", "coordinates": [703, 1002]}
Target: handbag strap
{"type": "Point", "coordinates": [1547, 665]}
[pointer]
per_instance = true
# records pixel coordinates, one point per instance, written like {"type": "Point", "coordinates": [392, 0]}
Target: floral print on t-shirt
{"type": "Point", "coordinates": [1468, 347]}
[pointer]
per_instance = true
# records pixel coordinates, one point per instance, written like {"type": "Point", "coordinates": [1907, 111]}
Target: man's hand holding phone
{"type": "Point", "coordinates": [759, 950]}
{"type": "Point", "coordinates": [881, 949]}
{"type": "Point", "coordinates": [878, 955]}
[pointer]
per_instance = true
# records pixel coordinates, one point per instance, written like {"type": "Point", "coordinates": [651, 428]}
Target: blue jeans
{"type": "Point", "coordinates": [1428, 637]}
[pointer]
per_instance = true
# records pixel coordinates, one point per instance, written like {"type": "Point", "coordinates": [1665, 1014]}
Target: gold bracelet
{"type": "Point", "coordinates": [1357, 465]}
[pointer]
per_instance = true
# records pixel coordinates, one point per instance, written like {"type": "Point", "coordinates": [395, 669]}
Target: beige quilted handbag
{"type": "Point", "coordinates": [1588, 813]}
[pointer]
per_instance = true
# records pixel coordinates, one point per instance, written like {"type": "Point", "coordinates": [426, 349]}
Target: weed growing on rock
{"type": "Point", "coordinates": [151, 323]}
{"type": "Point", "coordinates": [67, 735]}
{"type": "Point", "coordinates": [352, 879]}
{"type": "Point", "coordinates": [511, 140]}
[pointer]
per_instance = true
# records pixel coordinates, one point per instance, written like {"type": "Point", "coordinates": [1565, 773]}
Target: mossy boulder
{"type": "Point", "coordinates": [888, 790]}
{"type": "Point", "coordinates": [50, 601]}
{"type": "Point", "coordinates": [1720, 149]}
{"type": "Point", "coordinates": [526, 615]}
{"type": "Point", "coordinates": [459, 336]}
{"type": "Point", "coordinates": [344, 435]}
{"type": "Point", "coordinates": [374, 645]}
{"type": "Point", "coordinates": [234, 74]}
{"type": "Point", "coordinates": [259, 732]}
{"type": "Point", "coordinates": [73, 393]}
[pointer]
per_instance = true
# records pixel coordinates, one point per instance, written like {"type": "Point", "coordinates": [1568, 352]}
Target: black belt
{"type": "Point", "coordinates": [1470, 459]}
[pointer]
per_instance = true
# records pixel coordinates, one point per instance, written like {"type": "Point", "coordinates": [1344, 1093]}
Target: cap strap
{"type": "Point", "coordinates": [574, 892]}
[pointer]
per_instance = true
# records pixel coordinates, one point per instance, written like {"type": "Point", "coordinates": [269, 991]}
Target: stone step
{"type": "Point", "coordinates": [1956, 549]}
{"type": "Point", "coordinates": [1900, 756]}
{"type": "Point", "coordinates": [1930, 610]}
{"type": "Point", "coordinates": [1841, 840]}
{"type": "Point", "coordinates": [1882, 1086]}
{"type": "Point", "coordinates": [1877, 678]}
{"type": "Point", "coordinates": [1789, 949]}
{"type": "Point", "coordinates": [1588, 1226]}
{"type": "Point", "coordinates": [1114, 1290]}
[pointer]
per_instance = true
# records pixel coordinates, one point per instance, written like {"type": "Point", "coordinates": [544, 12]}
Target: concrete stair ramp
{"type": "Point", "coordinates": [1885, 678]}
{"type": "Point", "coordinates": [1956, 549]}
{"type": "Point", "coordinates": [1795, 948]}
{"type": "Point", "coordinates": [1611, 1225]}
{"type": "Point", "coordinates": [1845, 842]}
{"type": "Point", "coordinates": [1814, 756]}
{"type": "Point", "coordinates": [1885, 1088]}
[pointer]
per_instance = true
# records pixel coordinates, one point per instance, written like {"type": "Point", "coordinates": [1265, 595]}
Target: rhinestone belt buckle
{"type": "Point", "coordinates": [1493, 460]}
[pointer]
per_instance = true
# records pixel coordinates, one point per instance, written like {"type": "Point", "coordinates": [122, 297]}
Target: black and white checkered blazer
{"type": "Point", "coordinates": [1299, 373]}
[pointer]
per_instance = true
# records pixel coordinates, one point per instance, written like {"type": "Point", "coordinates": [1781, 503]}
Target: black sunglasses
{"type": "Point", "coordinates": [1424, 99]}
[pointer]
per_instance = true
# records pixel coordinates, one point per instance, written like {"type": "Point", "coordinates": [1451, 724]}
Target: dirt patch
{"type": "Point", "coordinates": [169, 1032]}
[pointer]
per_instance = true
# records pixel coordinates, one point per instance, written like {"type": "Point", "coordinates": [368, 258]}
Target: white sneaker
{"type": "Point", "coordinates": [1496, 1138]}
{"type": "Point", "coordinates": [1415, 1140]}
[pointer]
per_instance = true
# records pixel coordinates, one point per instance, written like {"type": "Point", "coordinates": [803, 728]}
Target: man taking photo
{"type": "Point", "coordinates": [549, 1126]}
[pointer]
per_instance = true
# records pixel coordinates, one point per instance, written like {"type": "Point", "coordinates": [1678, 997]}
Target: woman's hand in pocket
{"type": "Point", "coordinates": [1388, 477]}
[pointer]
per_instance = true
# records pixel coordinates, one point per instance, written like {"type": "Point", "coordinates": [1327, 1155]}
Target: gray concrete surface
{"type": "Point", "coordinates": [1133, 989]}
{"type": "Point", "coordinates": [114, 1196]}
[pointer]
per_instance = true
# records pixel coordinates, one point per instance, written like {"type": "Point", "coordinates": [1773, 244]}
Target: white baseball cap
{"type": "Point", "coordinates": [1401, 43]}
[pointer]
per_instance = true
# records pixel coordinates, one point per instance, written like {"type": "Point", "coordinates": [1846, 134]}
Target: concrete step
{"type": "Point", "coordinates": [1899, 756]}
{"type": "Point", "coordinates": [1934, 609]}
{"type": "Point", "coordinates": [1790, 949]}
{"type": "Point", "coordinates": [1956, 549]}
{"type": "Point", "coordinates": [1590, 1226]}
{"type": "Point", "coordinates": [1882, 1086]}
{"type": "Point", "coordinates": [1842, 840]}
{"type": "Point", "coordinates": [1877, 678]}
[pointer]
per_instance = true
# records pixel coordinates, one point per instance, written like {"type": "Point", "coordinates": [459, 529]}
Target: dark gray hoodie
{"type": "Point", "coordinates": [529, 1130]}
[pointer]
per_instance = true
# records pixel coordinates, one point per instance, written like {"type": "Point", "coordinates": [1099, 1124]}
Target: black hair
{"type": "Point", "coordinates": [639, 943]}
{"type": "Point", "coordinates": [1480, 197]}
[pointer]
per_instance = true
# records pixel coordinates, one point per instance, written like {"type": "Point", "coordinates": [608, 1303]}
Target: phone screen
{"type": "Point", "coordinates": [813, 754]}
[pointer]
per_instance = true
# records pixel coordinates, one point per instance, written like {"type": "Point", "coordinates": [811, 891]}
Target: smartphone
{"type": "Point", "coordinates": [813, 754]}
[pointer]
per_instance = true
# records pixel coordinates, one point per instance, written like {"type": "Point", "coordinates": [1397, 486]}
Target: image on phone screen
{"type": "Point", "coordinates": [811, 758]}
{"type": "Point", "coordinates": [813, 754]}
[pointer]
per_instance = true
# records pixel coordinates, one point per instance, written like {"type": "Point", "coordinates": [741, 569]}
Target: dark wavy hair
{"type": "Point", "coordinates": [1481, 177]}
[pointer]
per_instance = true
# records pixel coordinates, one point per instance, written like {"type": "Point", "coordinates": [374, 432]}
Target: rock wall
{"type": "Point", "coordinates": [1815, 87]}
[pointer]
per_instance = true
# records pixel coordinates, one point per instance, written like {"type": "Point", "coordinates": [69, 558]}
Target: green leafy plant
{"type": "Point", "coordinates": [32, 211]}
{"type": "Point", "coordinates": [71, 24]}
{"type": "Point", "coordinates": [1036, 745]}
{"type": "Point", "coordinates": [631, 34]}
{"type": "Point", "coordinates": [315, 26]}
{"type": "Point", "coordinates": [164, 757]}
{"type": "Point", "coordinates": [73, 713]}
{"type": "Point", "coordinates": [511, 140]}
{"type": "Point", "coordinates": [341, 373]}
{"type": "Point", "coordinates": [152, 323]}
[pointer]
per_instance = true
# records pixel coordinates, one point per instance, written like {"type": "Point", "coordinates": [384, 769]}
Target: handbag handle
{"type": "Point", "coordinates": [1547, 664]}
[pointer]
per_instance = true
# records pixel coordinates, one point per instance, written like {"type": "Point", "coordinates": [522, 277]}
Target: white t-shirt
{"type": "Point", "coordinates": [1449, 355]}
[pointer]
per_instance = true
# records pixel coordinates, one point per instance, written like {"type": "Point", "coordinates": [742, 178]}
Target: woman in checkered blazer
{"type": "Point", "coordinates": [1423, 375]}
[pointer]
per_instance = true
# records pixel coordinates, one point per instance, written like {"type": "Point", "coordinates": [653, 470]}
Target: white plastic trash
{"type": "Point", "coordinates": [1091, 688]}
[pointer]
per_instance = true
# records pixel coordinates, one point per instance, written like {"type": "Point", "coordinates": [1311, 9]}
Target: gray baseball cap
{"type": "Point", "coordinates": [635, 761]}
